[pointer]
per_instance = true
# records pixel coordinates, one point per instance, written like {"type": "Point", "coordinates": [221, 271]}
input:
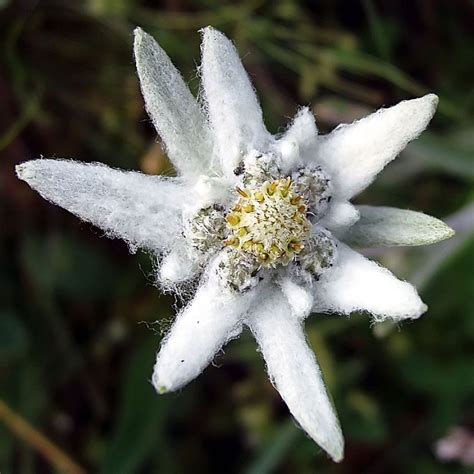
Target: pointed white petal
{"type": "Point", "coordinates": [358, 284]}
{"type": "Point", "coordinates": [388, 226]}
{"type": "Point", "coordinates": [174, 111]}
{"type": "Point", "coordinates": [208, 322]}
{"type": "Point", "coordinates": [234, 112]}
{"type": "Point", "coordinates": [294, 371]}
{"type": "Point", "coordinates": [300, 137]}
{"type": "Point", "coordinates": [299, 297]}
{"type": "Point", "coordinates": [178, 266]}
{"type": "Point", "coordinates": [340, 217]}
{"type": "Point", "coordinates": [354, 154]}
{"type": "Point", "coordinates": [143, 210]}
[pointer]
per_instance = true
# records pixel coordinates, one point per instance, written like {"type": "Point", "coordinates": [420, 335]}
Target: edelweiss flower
{"type": "Point", "coordinates": [260, 222]}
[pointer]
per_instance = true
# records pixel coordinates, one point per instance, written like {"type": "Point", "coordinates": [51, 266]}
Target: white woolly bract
{"type": "Point", "coordinates": [209, 321]}
{"type": "Point", "coordinates": [340, 217]}
{"type": "Point", "coordinates": [299, 297]}
{"type": "Point", "coordinates": [358, 284]}
{"type": "Point", "coordinates": [178, 266]}
{"type": "Point", "coordinates": [294, 371]}
{"type": "Point", "coordinates": [297, 141]}
{"type": "Point", "coordinates": [354, 154]}
{"type": "Point", "coordinates": [207, 191]}
{"type": "Point", "coordinates": [127, 205]}
{"type": "Point", "coordinates": [174, 111]}
{"type": "Point", "coordinates": [234, 112]}
{"type": "Point", "coordinates": [387, 226]}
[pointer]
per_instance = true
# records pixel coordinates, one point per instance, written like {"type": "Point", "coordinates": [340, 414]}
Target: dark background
{"type": "Point", "coordinates": [77, 311]}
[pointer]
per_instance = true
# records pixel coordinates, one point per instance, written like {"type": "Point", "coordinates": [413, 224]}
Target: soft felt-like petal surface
{"type": "Point", "coordinates": [209, 321]}
{"type": "Point", "coordinates": [299, 139]}
{"type": "Point", "coordinates": [388, 226]}
{"type": "Point", "coordinates": [299, 297]}
{"type": "Point", "coordinates": [174, 111]}
{"type": "Point", "coordinates": [358, 284]}
{"type": "Point", "coordinates": [143, 210]}
{"type": "Point", "coordinates": [294, 371]}
{"type": "Point", "coordinates": [179, 265]}
{"type": "Point", "coordinates": [354, 154]}
{"type": "Point", "coordinates": [234, 112]}
{"type": "Point", "coordinates": [340, 217]}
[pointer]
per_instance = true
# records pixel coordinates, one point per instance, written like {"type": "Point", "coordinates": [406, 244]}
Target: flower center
{"type": "Point", "coordinates": [269, 221]}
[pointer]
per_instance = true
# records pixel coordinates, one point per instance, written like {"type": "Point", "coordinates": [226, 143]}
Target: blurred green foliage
{"type": "Point", "coordinates": [75, 360]}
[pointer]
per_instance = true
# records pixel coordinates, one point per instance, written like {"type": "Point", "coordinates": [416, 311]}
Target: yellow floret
{"type": "Point", "coordinates": [270, 225]}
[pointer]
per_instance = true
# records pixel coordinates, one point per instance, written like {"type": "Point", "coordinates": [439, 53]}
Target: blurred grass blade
{"type": "Point", "coordinates": [13, 337]}
{"type": "Point", "coordinates": [443, 154]}
{"type": "Point", "coordinates": [353, 61]}
{"type": "Point", "coordinates": [22, 428]}
{"type": "Point", "coordinates": [140, 416]}
{"type": "Point", "coordinates": [29, 112]}
{"type": "Point", "coordinates": [377, 29]}
{"type": "Point", "coordinates": [272, 453]}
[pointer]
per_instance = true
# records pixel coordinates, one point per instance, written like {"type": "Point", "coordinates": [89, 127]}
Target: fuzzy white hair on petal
{"type": "Point", "coordinates": [354, 154]}
{"type": "Point", "coordinates": [178, 266]}
{"type": "Point", "coordinates": [208, 322]}
{"type": "Point", "coordinates": [388, 226]}
{"type": "Point", "coordinates": [173, 110]}
{"type": "Point", "coordinates": [294, 371]}
{"type": "Point", "coordinates": [127, 205]}
{"type": "Point", "coordinates": [298, 140]}
{"type": "Point", "coordinates": [234, 111]}
{"type": "Point", "coordinates": [299, 297]}
{"type": "Point", "coordinates": [356, 283]}
{"type": "Point", "coordinates": [341, 216]}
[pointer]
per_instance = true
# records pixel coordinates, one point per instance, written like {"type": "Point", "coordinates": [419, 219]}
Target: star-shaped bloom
{"type": "Point", "coordinates": [256, 225]}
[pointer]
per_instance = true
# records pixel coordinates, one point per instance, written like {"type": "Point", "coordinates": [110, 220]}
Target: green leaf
{"type": "Point", "coordinates": [388, 227]}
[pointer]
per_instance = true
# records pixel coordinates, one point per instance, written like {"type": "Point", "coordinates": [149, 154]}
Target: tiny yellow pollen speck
{"type": "Point", "coordinates": [248, 208]}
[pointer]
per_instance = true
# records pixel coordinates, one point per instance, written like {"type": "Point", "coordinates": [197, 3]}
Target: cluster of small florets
{"type": "Point", "coordinates": [268, 223]}
{"type": "Point", "coordinates": [314, 187]}
{"type": "Point", "coordinates": [205, 230]}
